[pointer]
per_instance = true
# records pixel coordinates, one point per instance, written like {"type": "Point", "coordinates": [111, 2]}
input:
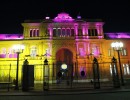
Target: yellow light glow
{"type": "Point", "coordinates": [18, 48]}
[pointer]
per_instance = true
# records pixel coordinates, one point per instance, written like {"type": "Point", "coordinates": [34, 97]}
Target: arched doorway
{"type": "Point", "coordinates": [64, 63]}
{"type": "Point", "coordinates": [64, 55]}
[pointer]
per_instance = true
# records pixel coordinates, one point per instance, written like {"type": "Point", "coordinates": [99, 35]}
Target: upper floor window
{"type": "Point", "coordinates": [63, 32]}
{"type": "Point", "coordinates": [54, 32]}
{"type": "Point", "coordinates": [79, 32]}
{"type": "Point", "coordinates": [72, 32]}
{"type": "Point", "coordinates": [92, 32]}
{"type": "Point", "coordinates": [68, 32]}
{"type": "Point", "coordinates": [59, 32]}
{"type": "Point", "coordinates": [34, 32]}
{"type": "Point", "coordinates": [47, 32]}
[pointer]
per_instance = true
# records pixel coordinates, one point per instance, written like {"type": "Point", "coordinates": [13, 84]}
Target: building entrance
{"type": "Point", "coordinates": [64, 60]}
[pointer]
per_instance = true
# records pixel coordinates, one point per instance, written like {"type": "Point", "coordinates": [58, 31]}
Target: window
{"type": "Point", "coordinates": [112, 70]}
{"type": "Point", "coordinates": [124, 52]}
{"type": "Point", "coordinates": [92, 32]}
{"type": "Point", "coordinates": [47, 32]}
{"type": "Point", "coordinates": [95, 50]}
{"type": "Point", "coordinates": [110, 52]}
{"type": "Point", "coordinates": [31, 33]}
{"type": "Point", "coordinates": [11, 54]}
{"type": "Point", "coordinates": [81, 52]}
{"type": "Point", "coordinates": [89, 32]}
{"type": "Point", "coordinates": [79, 32]}
{"type": "Point", "coordinates": [34, 32]}
{"type": "Point", "coordinates": [37, 32]}
{"type": "Point", "coordinates": [54, 32]}
{"type": "Point", "coordinates": [96, 33]}
{"type": "Point", "coordinates": [72, 32]}
{"type": "Point", "coordinates": [126, 69]}
{"type": "Point", "coordinates": [3, 53]}
{"type": "Point", "coordinates": [68, 32]}
{"type": "Point", "coordinates": [59, 32]}
{"type": "Point", "coordinates": [63, 32]}
{"type": "Point", "coordinates": [33, 51]}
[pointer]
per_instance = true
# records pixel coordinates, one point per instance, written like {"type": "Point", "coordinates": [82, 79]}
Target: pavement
{"type": "Point", "coordinates": [62, 92]}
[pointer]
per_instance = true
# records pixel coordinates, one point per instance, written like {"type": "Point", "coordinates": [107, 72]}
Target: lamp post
{"type": "Point", "coordinates": [46, 75]}
{"type": "Point", "coordinates": [17, 49]}
{"type": "Point", "coordinates": [118, 47]}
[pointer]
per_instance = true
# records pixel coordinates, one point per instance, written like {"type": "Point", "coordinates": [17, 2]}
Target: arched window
{"type": "Point", "coordinates": [63, 32]}
{"type": "Point", "coordinates": [31, 33]}
{"type": "Point", "coordinates": [54, 32]}
{"type": "Point", "coordinates": [72, 32]}
{"type": "Point", "coordinates": [34, 32]}
{"type": "Point", "coordinates": [68, 32]}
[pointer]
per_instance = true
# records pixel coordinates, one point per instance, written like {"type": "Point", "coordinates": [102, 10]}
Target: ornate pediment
{"type": "Point", "coordinates": [63, 17]}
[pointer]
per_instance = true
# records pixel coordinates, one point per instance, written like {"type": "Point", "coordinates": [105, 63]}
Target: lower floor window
{"type": "Point", "coordinates": [126, 69]}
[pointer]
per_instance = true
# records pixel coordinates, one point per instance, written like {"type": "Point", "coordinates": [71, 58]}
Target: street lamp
{"type": "Point", "coordinates": [17, 49]}
{"type": "Point", "coordinates": [118, 47]}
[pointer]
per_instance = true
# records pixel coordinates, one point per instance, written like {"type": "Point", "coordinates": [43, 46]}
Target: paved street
{"type": "Point", "coordinates": [101, 96]}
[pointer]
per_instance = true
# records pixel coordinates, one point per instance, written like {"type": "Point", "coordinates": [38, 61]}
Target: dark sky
{"type": "Point", "coordinates": [115, 13]}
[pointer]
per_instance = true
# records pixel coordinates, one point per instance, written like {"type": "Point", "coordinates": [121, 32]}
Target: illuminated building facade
{"type": "Point", "coordinates": [63, 40]}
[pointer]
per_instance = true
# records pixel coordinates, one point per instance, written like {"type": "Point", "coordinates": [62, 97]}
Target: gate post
{"type": "Point", "coordinates": [46, 75]}
{"type": "Point", "coordinates": [115, 76]}
{"type": "Point", "coordinates": [25, 76]}
{"type": "Point", "coordinates": [96, 74]}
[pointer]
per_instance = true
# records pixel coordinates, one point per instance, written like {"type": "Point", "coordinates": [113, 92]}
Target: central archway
{"type": "Point", "coordinates": [64, 63]}
{"type": "Point", "coordinates": [64, 55]}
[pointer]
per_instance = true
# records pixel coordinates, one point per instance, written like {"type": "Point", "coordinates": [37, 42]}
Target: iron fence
{"type": "Point", "coordinates": [75, 76]}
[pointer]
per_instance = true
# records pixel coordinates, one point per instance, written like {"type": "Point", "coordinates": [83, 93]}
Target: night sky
{"type": "Point", "coordinates": [115, 13]}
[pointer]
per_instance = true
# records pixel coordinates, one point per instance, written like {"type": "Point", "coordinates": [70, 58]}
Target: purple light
{"type": "Point", "coordinates": [100, 37]}
{"type": "Point", "coordinates": [11, 36]}
{"type": "Point", "coordinates": [63, 17]}
{"type": "Point", "coordinates": [12, 55]}
{"type": "Point", "coordinates": [79, 17]}
{"type": "Point", "coordinates": [2, 55]}
{"type": "Point", "coordinates": [118, 35]}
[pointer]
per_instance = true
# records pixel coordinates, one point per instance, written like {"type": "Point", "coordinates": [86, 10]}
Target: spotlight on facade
{"type": "Point", "coordinates": [118, 47]}
{"type": "Point", "coordinates": [17, 49]}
